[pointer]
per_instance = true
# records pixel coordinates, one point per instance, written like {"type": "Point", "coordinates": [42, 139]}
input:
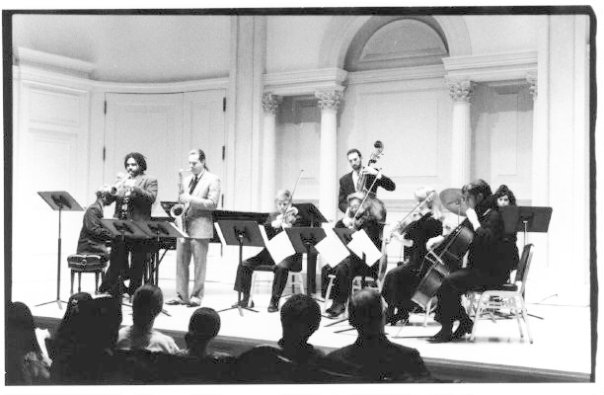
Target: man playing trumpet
{"type": "Point", "coordinates": [199, 194]}
{"type": "Point", "coordinates": [134, 197]}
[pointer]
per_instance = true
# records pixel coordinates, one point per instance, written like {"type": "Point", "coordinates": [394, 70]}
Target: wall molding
{"type": "Point", "coordinates": [27, 56]}
{"type": "Point", "coordinates": [304, 82]}
{"type": "Point", "coordinates": [37, 74]}
{"type": "Point", "coordinates": [396, 74]}
{"type": "Point", "coordinates": [491, 67]}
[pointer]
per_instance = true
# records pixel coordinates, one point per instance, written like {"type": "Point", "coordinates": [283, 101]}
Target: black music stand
{"type": "Point", "coordinates": [239, 233]}
{"type": "Point", "coordinates": [59, 201]}
{"type": "Point", "coordinates": [304, 240]}
{"type": "Point", "coordinates": [526, 219]}
{"type": "Point", "coordinates": [158, 231]}
{"type": "Point", "coordinates": [309, 215]}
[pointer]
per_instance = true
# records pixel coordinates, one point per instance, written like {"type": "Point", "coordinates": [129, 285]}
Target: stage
{"type": "Point", "coordinates": [561, 350]}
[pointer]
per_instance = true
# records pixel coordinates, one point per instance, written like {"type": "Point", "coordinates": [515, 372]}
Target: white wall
{"type": "Point", "coordinates": [502, 33]}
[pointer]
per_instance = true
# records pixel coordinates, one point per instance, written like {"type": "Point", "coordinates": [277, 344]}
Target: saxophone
{"type": "Point", "coordinates": [179, 209]}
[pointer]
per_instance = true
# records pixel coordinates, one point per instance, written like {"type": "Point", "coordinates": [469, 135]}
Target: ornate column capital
{"type": "Point", "coordinates": [460, 91]}
{"type": "Point", "coordinates": [271, 102]}
{"type": "Point", "coordinates": [329, 100]}
{"type": "Point", "coordinates": [532, 81]}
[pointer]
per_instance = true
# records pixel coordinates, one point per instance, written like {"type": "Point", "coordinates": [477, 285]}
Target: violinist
{"type": "Point", "coordinates": [360, 214]}
{"type": "Point", "coordinates": [286, 216]}
{"type": "Point", "coordinates": [423, 226]}
{"type": "Point", "coordinates": [361, 178]}
{"type": "Point", "coordinates": [487, 262]}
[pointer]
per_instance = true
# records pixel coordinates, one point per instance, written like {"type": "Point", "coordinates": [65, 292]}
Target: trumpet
{"type": "Point", "coordinates": [119, 183]}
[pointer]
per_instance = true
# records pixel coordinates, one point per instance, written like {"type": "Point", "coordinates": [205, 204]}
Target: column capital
{"type": "Point", "coordinates": [532, 81]}
{"type": "Point", "coordinates": [329, 100]}
{"type": "Point", "coordinates": [460, 91]}
{"type": "Point", "coordinates": [271, 102]}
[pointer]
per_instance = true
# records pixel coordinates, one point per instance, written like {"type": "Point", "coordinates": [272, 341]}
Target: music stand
{"type": "Point", "coordinates": [304, 240]}
{"type": "Point", "coordinates": [239, 233]}
{"type": "Point", "coordinates": [59, 201]}
{"type": "Point", "coordinates": [309, 215]}
{"type": "Point", "coordinates": [526, 219]}
{"type": "Point", "coordinates": [158, 231]}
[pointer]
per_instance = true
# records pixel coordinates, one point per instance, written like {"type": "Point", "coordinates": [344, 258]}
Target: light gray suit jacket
{"type": "Point", "coordinates": [197, 219]}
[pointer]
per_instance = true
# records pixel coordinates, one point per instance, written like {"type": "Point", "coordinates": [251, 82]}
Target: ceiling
{"type": "Point", "coordinates": [132, 48]}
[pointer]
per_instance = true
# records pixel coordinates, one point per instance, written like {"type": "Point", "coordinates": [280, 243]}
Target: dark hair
{"type": "Point", "coordinates": [205, 323]}
{"type": "Point", "coordinates": [503, 190]}
{"type": "Point", "coordinates": [147, 299]}
{"type": "Point", "coordinates": [201, 155]}
{"type": "Point", "coordinates": [301, 308]}
{"type": "Point", "coordinates": [365, 309]}
{"type": "Point", "coordinates": [477, 187]}
{"type": "Point", "coordinates": [354, 150]}
{"type": "Point", "coordinates": [21, 330]}
{"type": "Point", "coordinates": [139, 158]}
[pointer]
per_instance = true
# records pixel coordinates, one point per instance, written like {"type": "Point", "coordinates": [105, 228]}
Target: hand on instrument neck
{"type": "Point", "coordinates": [473, 218]}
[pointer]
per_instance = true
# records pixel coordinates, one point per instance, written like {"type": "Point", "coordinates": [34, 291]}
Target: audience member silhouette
{"type": "Point", "coordinates": [62, 336]}
{"type": "Point", "coordinates": [25, 362]}
{"type": "Point", "coordinates": [204, 325]}
{"type": "Point", "coordinates": [372, 356]}
{"type": "Point", "coordinates": [300, 318]}
{"type": "Point", "coordinates": [83, 349]}
{"type": "Point", "coordinates": [147, 303]}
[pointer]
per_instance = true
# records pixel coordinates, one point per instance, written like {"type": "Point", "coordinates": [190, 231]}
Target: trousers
{"type": "Point", "coordinates": [185, 250]}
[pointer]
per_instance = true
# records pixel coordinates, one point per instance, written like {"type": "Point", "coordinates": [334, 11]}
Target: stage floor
{"type": "Point", "coordinates": [561, 338]}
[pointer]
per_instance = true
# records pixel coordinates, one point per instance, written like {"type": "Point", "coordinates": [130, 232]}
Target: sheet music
{"type": "Point", "coordinates": [219, 233]}
{"type": "Point", "coordinates": [362, 243]}
{"type": "Point", "coordinates": [280, 246]}
{"type": "Point", "coordinates": [331, 248]}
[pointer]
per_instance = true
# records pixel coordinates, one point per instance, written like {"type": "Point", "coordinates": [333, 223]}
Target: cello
{"type": "Point", "coordinates": [441, 260]}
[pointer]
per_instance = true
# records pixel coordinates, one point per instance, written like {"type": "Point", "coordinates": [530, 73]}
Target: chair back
{"type": "Point", "coordinates": [523, 266]}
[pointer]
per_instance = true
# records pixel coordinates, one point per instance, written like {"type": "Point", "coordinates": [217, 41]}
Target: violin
{"type": "Point", "coordinates": [287, 218]}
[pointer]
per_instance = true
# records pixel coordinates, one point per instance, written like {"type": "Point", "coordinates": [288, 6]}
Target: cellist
{"type": "Point", "coordinates": [487, 261]}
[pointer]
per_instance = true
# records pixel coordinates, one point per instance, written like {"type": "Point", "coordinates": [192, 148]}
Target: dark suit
{"type": "Point", "coordinates": [139, 205]}
{"type": "Point", "coordinates": [378, 359]}
{"type": "Point", "coordinates": [243, 281]}
{"type": "Point", "coordinates": [93, 235]}
{"type": "Point", "coordinates": [347, 187]}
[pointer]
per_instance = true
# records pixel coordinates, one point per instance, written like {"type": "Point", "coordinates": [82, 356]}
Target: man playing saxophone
{"type": "Point", "coordinates": [134, 197]}
{"type": "Point", "coordinates": [199, 194]}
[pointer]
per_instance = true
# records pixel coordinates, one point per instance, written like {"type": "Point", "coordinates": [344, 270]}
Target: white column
{"type": "Point", "coordinates": [461, 136]}
{"type": "Point", "coordinates": [329, 102]}
{"type": "Point", "coordinates": [270, 103]}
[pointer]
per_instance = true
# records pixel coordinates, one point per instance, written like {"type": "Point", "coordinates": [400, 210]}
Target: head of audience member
{"type": "Point", "coordinates": [505, 197]}
{"type": "Point", "coordinates": [197, 161]}
{"type": "Point", "coordinates": [355, 159]}
{"type": "Point", "coordinates": [300, 318]}
{"type": "Point", "coordinates": [366, 313]}
{"type": "Point", "coordinates": [63, 334]}
{"type": "Point", "coordinates": [135, 164]}
{"type": "Point", "coordinates": [204, 325]}
{"type": "Point", "coordinates": [147, 303]}
{"type": "Point", "coordinates": [478, 195]}
{"type": "Point", "coordinates": [21, 340]}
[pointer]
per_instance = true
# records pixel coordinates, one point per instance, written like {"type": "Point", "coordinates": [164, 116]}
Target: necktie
{"type": "Point", "coordinates": [359, 187]}
{"type": "Point", "coordinates": [193, 184]}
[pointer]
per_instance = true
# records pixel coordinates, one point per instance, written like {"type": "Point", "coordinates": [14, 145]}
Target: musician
{"type": "Point", "coordinates": [401, 282]}
{"type": "Point", "coordinates": [366, 216]}
{"type": "Point", "coordinates": [487, 261]}
{"type": "Point", "coordinates": [351, 182]}
{"type": "Point", "coordinates": [505, 197]}
{"type": "Point", "coordinates": [200, 198]}
{"type": "Point", "coordinates": [284, 217]}
{"type": "Point", "coordinates": [93, 236]}
{"type": "Point", "coordinates": [134, 197]}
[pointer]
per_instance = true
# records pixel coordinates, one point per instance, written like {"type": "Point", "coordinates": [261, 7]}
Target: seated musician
{"type": "Point", "coordinates": [505, 197]}
{"type": "Point", "coordinates": [274, 225]}
{"type": "Point", "coordinates": [359, 216]}
{"type": "Point", "coordinates": [93, 236]}
{"type": "Point", "coordinates": [487, 262]}
{"type": "Point", "coordinates": [401, 282]}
